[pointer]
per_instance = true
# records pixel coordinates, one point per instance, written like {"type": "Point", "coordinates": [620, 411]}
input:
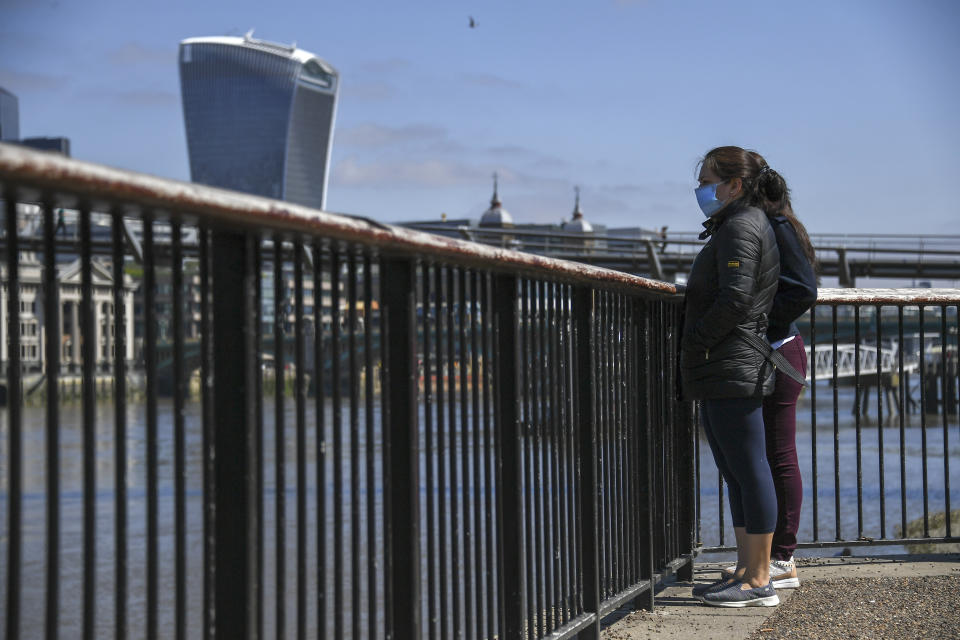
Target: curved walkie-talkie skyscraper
{"type": "Point", "coordinates": [259, 117]}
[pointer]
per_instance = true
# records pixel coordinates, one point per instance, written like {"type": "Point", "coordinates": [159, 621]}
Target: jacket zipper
{"type": "Point", "coordinates": [707, 355]}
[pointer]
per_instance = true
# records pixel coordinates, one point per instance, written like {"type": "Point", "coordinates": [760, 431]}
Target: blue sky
{"type": "Point", "coordinates": [854, 102]}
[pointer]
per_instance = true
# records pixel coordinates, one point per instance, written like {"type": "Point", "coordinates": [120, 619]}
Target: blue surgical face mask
{"type": "Point", "coordinates": [707, 198]}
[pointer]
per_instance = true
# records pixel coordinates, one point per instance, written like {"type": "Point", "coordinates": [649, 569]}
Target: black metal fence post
{"type": "Point", "coordinates": [402, 475]}
{"type": "Point", "coordinates": [586, 428]}
{"type": "Point", "coordinates": [234, 320]}
{"type": "Point", "coordinates": [509, 480]}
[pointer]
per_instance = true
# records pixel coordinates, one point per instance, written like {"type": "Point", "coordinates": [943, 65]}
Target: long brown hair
{"type": "Point", "coordinates": [763, 187]}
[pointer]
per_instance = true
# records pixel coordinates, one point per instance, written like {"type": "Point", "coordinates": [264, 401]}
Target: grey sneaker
{"type": "Point", "coordinates": [733, 596]}
{"type": "Point", "coordinates": [782, 572]}
{"type": "Point", "coordinates": [701, 589]}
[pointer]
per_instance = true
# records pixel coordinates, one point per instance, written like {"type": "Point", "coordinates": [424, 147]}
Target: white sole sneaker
{"type": "Point", "coordinates": [769, 601]}
{"type": "Point", "coordinates": [786, 583]}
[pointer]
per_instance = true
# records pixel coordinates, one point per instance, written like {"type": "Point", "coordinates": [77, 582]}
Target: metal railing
{"type": "Point", "coordinates": [876, 472]}
{"type": "Point", "coordinates": [463, 441]}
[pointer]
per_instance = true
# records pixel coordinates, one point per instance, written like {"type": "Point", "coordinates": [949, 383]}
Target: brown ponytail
{"type": "Point", "coordinates": [763, 187]}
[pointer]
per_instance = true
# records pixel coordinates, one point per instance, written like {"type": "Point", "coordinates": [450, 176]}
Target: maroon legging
{"type": "Point", "coordinates": [780, 425]}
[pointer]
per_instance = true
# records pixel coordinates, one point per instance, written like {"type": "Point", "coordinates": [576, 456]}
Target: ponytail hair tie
{"type": "Point", "coordinates": [766, 169]}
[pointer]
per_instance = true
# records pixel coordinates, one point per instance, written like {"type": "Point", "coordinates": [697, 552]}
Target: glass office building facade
{"type": "Point", "coordinates": [9, 116]}
{"type": "Point", "coordinates": [259, 117]}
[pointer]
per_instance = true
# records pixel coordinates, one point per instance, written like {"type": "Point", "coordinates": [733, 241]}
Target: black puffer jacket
{"type": "Point", "coordinates": [731, 284]}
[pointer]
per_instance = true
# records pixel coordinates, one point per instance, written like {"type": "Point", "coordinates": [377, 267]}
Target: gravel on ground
{"type": "Point", "coordinates": [882, 608]}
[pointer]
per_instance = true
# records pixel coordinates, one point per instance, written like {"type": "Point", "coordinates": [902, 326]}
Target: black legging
{"type": "Point", "coordinates": [734, 428]}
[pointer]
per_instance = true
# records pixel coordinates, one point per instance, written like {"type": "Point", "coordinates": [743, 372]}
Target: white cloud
{"type": "Point", "coordinates": [15, 81]}
{"type": "Point", "coordinates": [350, 172]}
{"type": "Point", "coordinates": [370, 135]}
{"type": "Point", "coordinates": [132, 53]}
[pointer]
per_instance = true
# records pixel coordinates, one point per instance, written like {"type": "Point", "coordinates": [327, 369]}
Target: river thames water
{"type": "Point", "coordinates": [34, 504]}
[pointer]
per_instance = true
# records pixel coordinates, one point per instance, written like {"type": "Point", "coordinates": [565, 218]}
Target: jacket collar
{"type": "Point", "coordinates": [711, 224]}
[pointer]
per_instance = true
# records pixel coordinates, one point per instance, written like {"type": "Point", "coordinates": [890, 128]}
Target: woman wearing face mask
{"type": "Point", "coordinates": [796, 292]}
{"type": "Point", "coordinates": [729, 293]}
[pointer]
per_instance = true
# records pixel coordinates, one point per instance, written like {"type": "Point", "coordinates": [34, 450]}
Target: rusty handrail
{"type": "Point", "coordinates": [893, 297]}
{"type": "Point", "coordinates": [38, 175]}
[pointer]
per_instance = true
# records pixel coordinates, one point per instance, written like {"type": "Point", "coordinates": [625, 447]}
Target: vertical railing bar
{"type": "Point", "coordinates": [236, 437]}
{"type": "Point", "coordinates": [526, 448]}
{"type": "Point", "coordinates": [257, 258]}
{"type": "Point", "coordinates": [636, 401]}
{"type": "Point", "coordinates": [354, 382]}
{"type": "Point", "coordinates": [372, 607]}
{"type": "Point", "coordinates": [320, 437]}
{"type": "Point", "coordinates": [206, 395]}
{"type": "Point", "coordinates": [813, 422]}
{"type": "Point", "coordinates": [475, 298]}
{"type": "Point", "coordinates": [52, 366]}
{"type": "Point", "coordinates": [428, 444]}
{"type": "Point", "coordinates": [632, 361]}
{"type": "Point", "coordinates": [611, 460]}
{"type": "Point", "coordinates": [923, 425]}
{"type": "Point", "coordinates": [603, 444]}
{"type": "Point", "coordinates": [279, 440]}
{"type": "Point", "coordinates": [563, 428]}
{"type": "Point", "coordinates": [489, 454]}
{"type": "Point", "coordinates": [179, 438]}
{"type": "Point", "coordinates": [15, 420]}
{"type": "Point", "coordinates": [120, 432]}
{"type": "Point", "coordinates": [150, 363]}
{"type": "Point", "coordinates": [883, 497]}
{"type": "Point", "coordinates": [620, 493]}
{"type": "Point", "coordinates": [608, 443]}
{"type": "Point", "coordinates": [455, 354]}
{"type": "Point", "coordinates": [649, 374]}
{"type": "Point", "coordinates": [510, 554]}
{"type": "Point", "coordinates": [576, 486]}
{"type": "Point", "coordinates": [859, 402]}
{"type": "Point", "coordinates": [943, 409]}
{"type": "Point", "coordinates": [336, 390]}
{"type": "Point", "coordinates": [89, 427]}
{"type": "Point", "coordinates": [556, 422]}
{"type": "Point", "coordinates": [836, 427]}
{"type": "Point", "coordinates": [901, 383]}
{"type": "Point", "coordinates": [539, 411]}
{"type": "Point", "coordinates": [664, 433]}
{"type": "Point", "coordinates": [402, 448]}
{"type": "Point", "coordinates": [549, 389]}
{"type": "Point", "coordinates": [442, 304]}
{"type": "Point", "coordinates": [549, 459]}
{"type": "Point", "coordinates": [465, 455]}
{"type": "Point", "coordinates": [586, 426]}
{"type": "Point", "coordinates": [301, 427]}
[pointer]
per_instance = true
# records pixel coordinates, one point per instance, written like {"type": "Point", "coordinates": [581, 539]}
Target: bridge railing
{"type": "Point", "coordinates": [463, 440]}
{"type": "Point", "coordinates": [877, 425]}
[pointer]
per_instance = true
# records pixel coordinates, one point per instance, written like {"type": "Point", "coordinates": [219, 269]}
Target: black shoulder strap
{"type": "Point", "coordinates": [772, 355]}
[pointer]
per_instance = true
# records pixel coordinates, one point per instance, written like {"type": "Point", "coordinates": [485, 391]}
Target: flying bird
{"type": "Point", "coordinates": [473, 23]}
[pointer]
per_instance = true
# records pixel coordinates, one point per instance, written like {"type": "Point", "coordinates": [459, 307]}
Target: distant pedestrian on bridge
{"type": "Point", "coordinates": [729, 295]}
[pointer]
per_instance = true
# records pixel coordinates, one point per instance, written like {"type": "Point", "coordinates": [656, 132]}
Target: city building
{"type": "Point", "coordinates": [259, 117]}
{"type": "Point", "coordinates": [10, 127]}
{"type": "Point", "coordinates": [57, 144]}
{"type": "Point", "coordinates": [33, 337]}
{"type": "Point", "coordinates": [9, 116]}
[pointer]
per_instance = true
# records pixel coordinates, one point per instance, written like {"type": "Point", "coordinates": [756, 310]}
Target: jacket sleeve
{"type": "Point", "coordinates": [797, 286]}
{"type": "Point", "coordinates": [738, 254]}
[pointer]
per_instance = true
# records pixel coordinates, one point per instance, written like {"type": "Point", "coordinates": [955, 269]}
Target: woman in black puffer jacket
{"type": "Point", "coordinates": [729, 293]}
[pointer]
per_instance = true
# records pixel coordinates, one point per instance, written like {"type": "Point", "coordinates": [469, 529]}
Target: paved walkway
{"type": "Point", "coordinates": [848, 597]}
